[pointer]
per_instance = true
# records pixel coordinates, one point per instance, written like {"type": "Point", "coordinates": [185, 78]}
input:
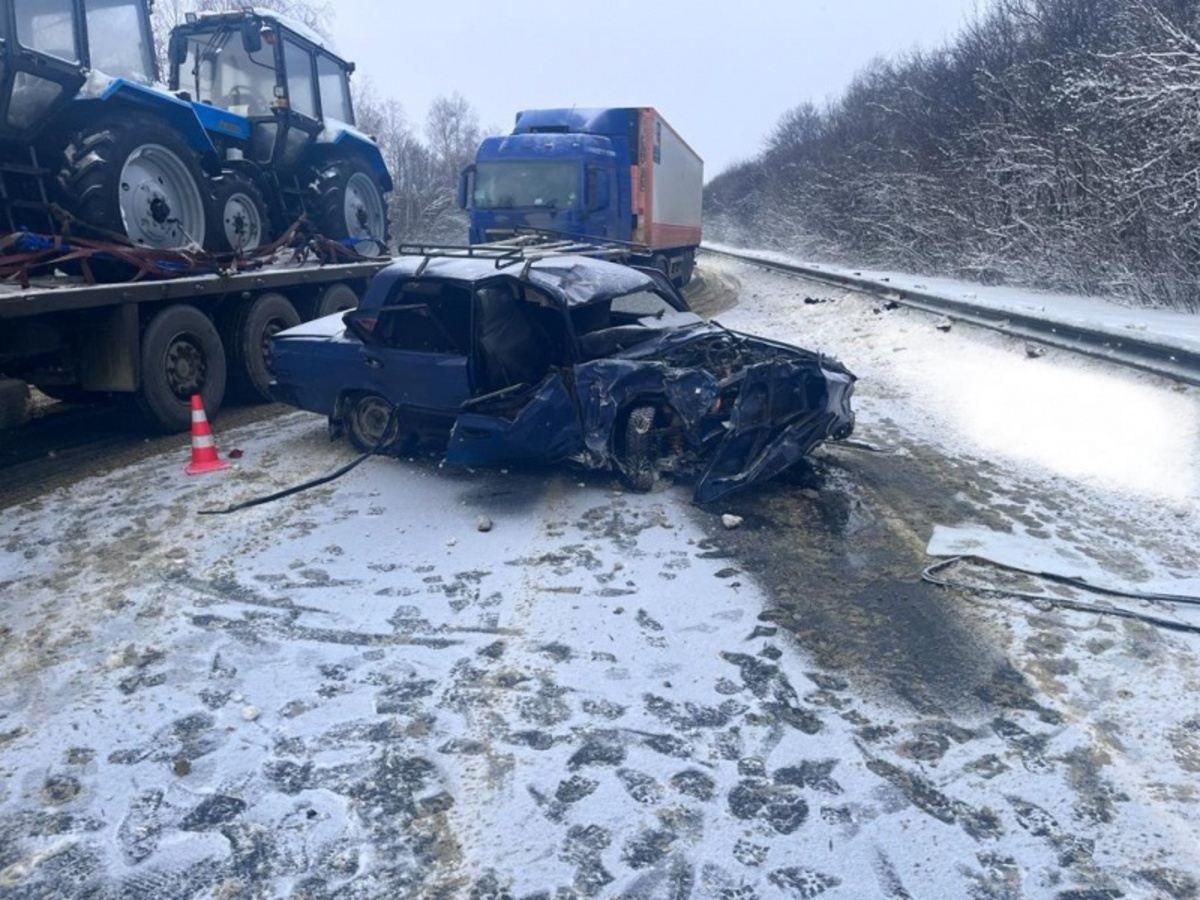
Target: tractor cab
{"type": "Point", "coordinates": [275, 74]}
{"type": "Point", "coordinates": [49, 47]}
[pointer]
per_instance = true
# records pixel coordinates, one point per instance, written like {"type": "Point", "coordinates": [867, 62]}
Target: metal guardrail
{"type": "Point", "coordinates": [1170, 362]}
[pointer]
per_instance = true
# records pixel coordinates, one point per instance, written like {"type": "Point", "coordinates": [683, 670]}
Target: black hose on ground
{"type": "Point", "coordinates": [930, 575]}
{"type": "Point", "coordinates": [316, 482]}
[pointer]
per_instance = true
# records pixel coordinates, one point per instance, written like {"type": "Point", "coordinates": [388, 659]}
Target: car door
{"type": "Point", "coordinates": [411, 358]}
{"type": "Point", "coordinates": [526, 408]}
{"type": "Point", "coordinates": [538, 423]}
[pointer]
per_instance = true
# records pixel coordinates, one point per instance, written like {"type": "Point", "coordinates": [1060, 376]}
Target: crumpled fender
{"type": "Point", "coordinates": [761, 444]}
{"type": "Point", "coordinates": [607, 387]}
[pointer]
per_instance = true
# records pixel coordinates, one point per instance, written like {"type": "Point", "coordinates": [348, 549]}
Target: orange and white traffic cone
{"type": "Point", "coordinates": [204, 450]}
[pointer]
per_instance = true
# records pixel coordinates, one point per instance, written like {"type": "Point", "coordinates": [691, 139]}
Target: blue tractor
{"type": "Point", "coordinates": [255, 130]}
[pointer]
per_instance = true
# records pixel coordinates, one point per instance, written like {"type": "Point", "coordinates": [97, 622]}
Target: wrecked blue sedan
{"type": "Point", "coordinates": [560, 358]}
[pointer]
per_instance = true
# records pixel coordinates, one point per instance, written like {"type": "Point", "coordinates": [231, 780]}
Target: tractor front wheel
{"type": "Point", "coordinates": [239, 216]}
{"type": "Point", "coordinates": [348, 205]}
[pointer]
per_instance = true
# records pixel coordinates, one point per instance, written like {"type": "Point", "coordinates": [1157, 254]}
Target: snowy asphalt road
{"type": "Point", "coordinates": [354, 692]}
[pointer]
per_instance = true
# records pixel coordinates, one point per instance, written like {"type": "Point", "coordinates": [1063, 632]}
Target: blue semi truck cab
{"type": "Point", "coordinates": [619, 174]}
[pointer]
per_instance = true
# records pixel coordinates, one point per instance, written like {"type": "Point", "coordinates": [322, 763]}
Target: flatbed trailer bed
{"type": "Point", "coordinates": [161, 340]}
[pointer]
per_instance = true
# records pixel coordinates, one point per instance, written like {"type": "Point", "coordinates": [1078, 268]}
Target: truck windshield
{"type": "Point", "coordinates": [220, 72]}
{"type": "Point", "coordinates": [117, 39]}
{"type": "Point", "coordinates": [510, 185]}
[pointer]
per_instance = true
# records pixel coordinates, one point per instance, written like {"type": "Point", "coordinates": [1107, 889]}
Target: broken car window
{"type": "Point", "coordinates": [514, 346]}
{"type": "Point", "coordinates": [413, 328]}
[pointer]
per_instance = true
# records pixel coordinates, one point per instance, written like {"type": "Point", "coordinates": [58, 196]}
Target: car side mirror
{"type": "Point", "coordinates": [466, 186]}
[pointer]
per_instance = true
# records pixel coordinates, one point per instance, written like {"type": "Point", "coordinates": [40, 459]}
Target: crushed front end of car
{"type": "Point", "coordinates": [726, 408]}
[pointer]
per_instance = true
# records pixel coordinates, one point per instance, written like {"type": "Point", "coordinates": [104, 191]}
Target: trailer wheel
{"type": "Point", "coordinates": [638, 459]}
{"type": "Point", "coordinates": [135, 176]}
{"type": "Point", "coordinates": [181, 356]}
{"type": "Point", "coordinates": [348, 205]}
{"type": "Point", "coordinates": [369, 422]}
{"type": "Point", "coordinates": [238, 217]}
{"type": "Point", "coordinates": [330, 299]}
{"type": "Point", "coordinates": [248, 330]}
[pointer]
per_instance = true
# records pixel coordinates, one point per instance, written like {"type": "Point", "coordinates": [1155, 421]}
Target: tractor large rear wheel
{"type": "Point", "coordinates": [134, 176]}
{"type": "Point", "coordinates": [348, 205]}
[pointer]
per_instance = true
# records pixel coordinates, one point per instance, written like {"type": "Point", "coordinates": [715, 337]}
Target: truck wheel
{"type": "Point", "coordinates": [689, 264]}
{"type": "Point", "coordinates": [639, 460]}
{"type": "Point", "coordinates": [348, 205]}
{"type": "Point", "coordinates": [369, 423]}
{"type": "Point", "coordinates": [181, 356]}
{"type": "Point", "coordinates": [237, 215]}
{"type": "Point", "coordinates": [248, 330]}
{"type": "Point", "coordinates": [332, 298]}
{"type": "Point", "coordinates": [135, 176]}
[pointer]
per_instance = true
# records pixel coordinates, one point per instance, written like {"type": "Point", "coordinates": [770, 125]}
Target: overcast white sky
{"type": "Point", "coordinates": [721, 71]}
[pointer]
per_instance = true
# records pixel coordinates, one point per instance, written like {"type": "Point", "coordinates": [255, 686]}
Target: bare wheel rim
{"type": "Point", "coordinates": [370, 418]}
{"type": "Point", "coordinates": [161, 204]}
{"type": "Point", "coordinates": [363, 208]}
{"type": "Point", "coordinates": [242, 221]}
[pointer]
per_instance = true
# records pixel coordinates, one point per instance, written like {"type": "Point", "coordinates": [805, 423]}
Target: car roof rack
{"type": "Point", "coordinates": [526, 248]}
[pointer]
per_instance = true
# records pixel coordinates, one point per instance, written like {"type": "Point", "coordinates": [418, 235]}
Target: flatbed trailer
{"type": "Point", "coordinates": [160, 341]}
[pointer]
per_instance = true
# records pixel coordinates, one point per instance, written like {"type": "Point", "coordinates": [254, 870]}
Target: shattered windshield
{"type": "Point", "coordinates": [510, 185]}
{"type": "Point", "coordinates": [650, 308]}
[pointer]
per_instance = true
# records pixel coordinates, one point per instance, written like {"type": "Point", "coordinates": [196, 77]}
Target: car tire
{"type": "Point", "coordinates": [369, 423]}
{"type": "Point", "coordinates": [248, 329]}
{"type": "Point", "coordinates": [181, 355]}
{"type": "Point", "coordinates": [639, 461]}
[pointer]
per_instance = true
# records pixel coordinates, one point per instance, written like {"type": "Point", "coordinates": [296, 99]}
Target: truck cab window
{"type": "Point", "coordinates": [47, 26]}
{"type": "Point", "coordinates": [117, 41]}
{"type": "Point", "coordinates": [513, 185]}
{"type": "Point", "coordinates": [335, 90]}
{"type": "Point", "coordinates": [219, 71]}
{"type": "Point", "coordinates": [302, 95]}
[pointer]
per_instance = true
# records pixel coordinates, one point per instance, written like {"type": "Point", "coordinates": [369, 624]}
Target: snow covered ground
{"type": "Point", "coordinates": [1171, 329]}
{"type": "Point", "coordinates": [356, 692]}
